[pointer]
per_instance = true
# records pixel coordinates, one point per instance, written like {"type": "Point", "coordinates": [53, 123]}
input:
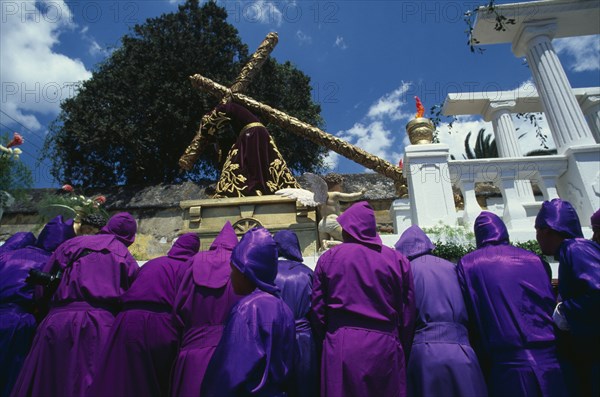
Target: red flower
{"type": "Point", "coordinates": [100, 199]}
{"type": "Point", "coordinates": [67, 188]}
{"type": "Point", "coordinates": [16, 141]}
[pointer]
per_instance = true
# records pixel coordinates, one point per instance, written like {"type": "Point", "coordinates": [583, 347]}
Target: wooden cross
{"type": "Point", "coordinates": [303, 129]}
{"type": "Point", "coordinates": [193, 151]}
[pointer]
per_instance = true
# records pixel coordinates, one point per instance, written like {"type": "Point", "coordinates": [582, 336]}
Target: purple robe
{"type": "Point", "coordinates": [254, 165]}
{"type": "Point", "coordinates": [18, 240]}
{"type": "Point", "coordinates": [579, 289]}
{"type": "Point", "coordinates": [295, 279]}
{"type": "Point", "coordinates": [363, 304]}
{"type": "Point", "coordinates": [143, 342]}
{"type": "Point", "coordinates": [256, 354]}
{"type": "Point", "coordinates": [442, 362]}
{"type": "Point", "coordinates": [18, 323]}
{"type": "Point", "coordinates": [97, 270]}
{"type": "Point", "coordinates": [204, 300]}
{"type": "Point", "coordinates": [510, 303]}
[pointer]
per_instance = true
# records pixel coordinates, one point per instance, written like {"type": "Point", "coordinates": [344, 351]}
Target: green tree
{"type": "Point", "coordinates": [131, 121]}
{"type": "Point", "coordinates": [485, 146]}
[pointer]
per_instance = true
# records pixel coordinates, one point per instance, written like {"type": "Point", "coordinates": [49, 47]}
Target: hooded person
{"type": "Point", "coordinates": [144, 338]}
{"type": "Point", "coordinates": [17, 305]}
{"type": "Point", "coordinates": [204, 299]}
{"type": "Point", "coordinates": [18, 240]}
{"type": "Point", "coordinates": [295, 279]}
{"type": "Point", "coordinates": [96, 270]}
{"type": "Point", "coordinates": [441, 361]}
{"type": "Point", "coordinates": [363, 311]}
{"type": "Point", "coordinates": [559, 233]}
{"type": "Point", "coordinates": [256, 353]}
{"type": "Point", "coordinates": [510, 301]}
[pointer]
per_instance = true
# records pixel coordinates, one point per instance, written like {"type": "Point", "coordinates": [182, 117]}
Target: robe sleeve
{"type": "Point", "coordinates": [129, 271]}
{"type": "Point", "coordinates": [581, 309]}
{"type": "Point", "coordinates": [185, 292]}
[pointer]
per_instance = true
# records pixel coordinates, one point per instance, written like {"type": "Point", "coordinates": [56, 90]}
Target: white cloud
{"type": "Point", "coordinates": [35, 78]}
{"type": "Point", "coordinates": [340, 43]}
{"type": "Point", "coordinates": [583, 52]}
{"type": "Point", "coordinates": [266, 12]}
{"type": "Point", "coordinates": [389, 105]}
{"type": "Point", "coordinates": [303, 38]}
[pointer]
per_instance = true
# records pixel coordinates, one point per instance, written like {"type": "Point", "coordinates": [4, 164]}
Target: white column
{"type": "Point", "coordinates": [590, 105]}
{"type": "Point", "coordinates": [565, 118]}
{"type": "Point", "coordinates": [472, 208]}
{"type": "Point", "coordinates": [499, 112]}
{"type": "Point", "coordinates": [429, 185]}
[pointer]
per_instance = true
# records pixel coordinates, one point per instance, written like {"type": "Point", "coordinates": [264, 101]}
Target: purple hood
{"type": "Point", "coordinates": [559, 215]}
{"type": "Point", "coordinates": [288, 245]}
{"type": "Point", "coordinates": [256, 257]}
{"type": "Point", "coordinates": [490, 230]}
{"type": "Point", "coordinates": [185, 247]}
{"type": "Point", "coordinates": [360, 224]}
{"type": "Point", "coordinates": [211, 268]}
{"type": "Point", "coordinates": [122, 226]}
{"type": "Point", "coordinates": [55, 233]}
{"type": "Point", "coordinates": [414, 243]}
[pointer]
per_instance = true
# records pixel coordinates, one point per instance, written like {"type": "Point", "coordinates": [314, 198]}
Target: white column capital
{"type": "Point", "coordinates": [497, 108]}
{"type": "Point", "coordinates": [533, 31]}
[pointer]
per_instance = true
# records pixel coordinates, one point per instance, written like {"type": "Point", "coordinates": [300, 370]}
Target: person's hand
{"type": "Point", "coordinates": [559, 318]}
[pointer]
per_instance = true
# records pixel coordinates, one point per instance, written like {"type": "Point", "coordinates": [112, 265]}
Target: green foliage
{"type": "Point", "coordinates": [485, 146]}
{"type": "Point", "coordinates": [452, 251]}
{"type": "Point", "coordinates": [530, 245]}
{"type": "Point", "coordinates": [15, 177]}
{"type": "Point", "coordinates": [452, 243]}
{"type": "Point", "coordinates": [134, 118]}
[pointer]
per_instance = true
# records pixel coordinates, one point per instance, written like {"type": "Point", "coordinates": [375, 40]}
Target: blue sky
{"type": "Point", "coordinates": [366, 60]}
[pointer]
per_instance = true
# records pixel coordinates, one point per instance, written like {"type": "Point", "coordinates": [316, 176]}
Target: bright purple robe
{"type": "Point", "coordinates": [144, 339]}
{"type": "Point", "coordinates": [363, 306]}
{"type": "Point", "coordinates": [295, 280]}
{"type": "Point", "coordinates": [510, 303]}
{"type": "Point", "coordinates": [256, 354]}
{"type": "Point", "coordinates": [257, 351]}
{"type": "Point", "coordinates": [98, 269]}
{"type": "Point", "coordinates": [204, 300]}
{"type": "Point", "coordinates": [442, 362]}
{"type": "Point", "coordinates": [18, 324]}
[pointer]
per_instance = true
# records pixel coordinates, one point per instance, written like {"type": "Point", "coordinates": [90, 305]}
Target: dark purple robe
{"type": "Point", "coordinates": [442, 362]}
{"type": "Point", "coordinates": [295, 279]}
{"type": "Point", "coordinates": [363, 305]}
{"type": "Point", "coordinates": [18, 240]}
{"type": "Point", "coordinates": [510, 303]}
{"type": "Point", "coordinates": [143, 342]}
{"type": "Point", "coordinates": [97, 270]}
{"type": "Point", "coordinates": [204, 299]}
{"type": "Point", "coordinates": [17, 325]}
{"type": "Point", "coordinates": [254, 166]}
{"type": "Point", "coordinates": [256, 354]}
